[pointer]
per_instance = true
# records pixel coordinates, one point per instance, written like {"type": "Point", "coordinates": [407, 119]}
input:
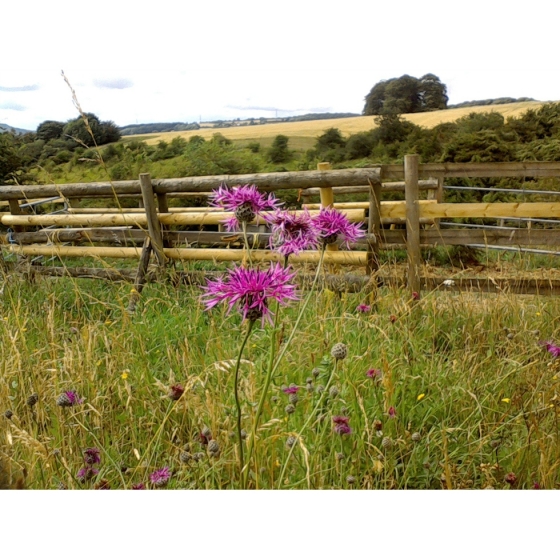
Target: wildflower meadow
{"type": "Point", "coordinates": [253, 382]}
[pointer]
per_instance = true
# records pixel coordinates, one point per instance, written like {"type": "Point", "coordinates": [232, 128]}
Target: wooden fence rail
{"type": "Point", "coordinates": [128, 228]}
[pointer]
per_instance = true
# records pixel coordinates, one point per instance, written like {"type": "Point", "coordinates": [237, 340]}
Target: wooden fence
{"type": "Point", "coordinates": [136, 233]}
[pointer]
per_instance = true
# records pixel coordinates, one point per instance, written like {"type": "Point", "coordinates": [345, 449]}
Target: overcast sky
{"type": "Point", "coordinates": [133, 62]}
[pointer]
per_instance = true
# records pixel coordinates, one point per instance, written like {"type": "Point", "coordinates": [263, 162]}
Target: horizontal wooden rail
{"type": "Point", "coordinates": [357, 258]}
{"type": "Point", "coordinates": [265, 182]}
{"type": "Point", "coordinates": [493, 169]}
{"type": "Point", "coordinates": [140, 220]}
{"type": "Point", "coordinates": [396, 186]}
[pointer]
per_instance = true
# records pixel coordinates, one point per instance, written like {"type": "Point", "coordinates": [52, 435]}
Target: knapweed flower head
{"type": "Point", "coordinates": [334, 225]}
{"type": "Point", "coordinates": [292, 232]}
{"type": "Point", "coordinates": [175, 392]}
{"type": "Point", "coordinates": [341, 425]}
{"type": "Point", "coordinates": [251, 290]}
{"type": "Point", "coordinates": [85, 474]}
{"type": "Point", "coordinates": [139, 486]}
{"type": "Point", "coordinates": [92, 456]}
{"type": "Point", "coordinates": [552, 348]}
{"type": "Point", "coordinates": [392, 413]}
{"type": "Point", "coordinates": [363, 308]}
{"type": "Point", "coordinates": [245, 201]}
{"type": "Point", "coordinates": [374, 374]}
{"type": "Point", "coordinates": [69, 398]}
{"type": "Point", "coordinates": [290, 390]}
{"type": "Point", "coordinates": [160, 477]}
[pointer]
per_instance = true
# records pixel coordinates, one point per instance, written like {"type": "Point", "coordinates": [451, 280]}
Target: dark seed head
{"type": "Point", "coordinates": [32, 400]}
{"type": "Point", "coordinates": [8, 414]}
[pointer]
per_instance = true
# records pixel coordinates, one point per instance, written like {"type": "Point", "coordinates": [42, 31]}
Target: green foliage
{"type": "Point", "coordinates": [279, 152]}
{"type": "Point", "coordinates": [88, 130]}
{"type": "Point", "coordinates": [406, 95]}
{"type": "Point", "coordinates": [10, 160]}
{"type": "Point", "coordinates": [49, 130]}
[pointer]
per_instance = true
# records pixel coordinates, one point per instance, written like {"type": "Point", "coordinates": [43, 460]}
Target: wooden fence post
{"type": "Point", "coordinates": [374, 227]}
{"type": "Point", "coordinates": [327, 199]}
{"type": "Point", "coordinates": [154, 226]}
{"type": "Point", "coordinates": [412, 221]}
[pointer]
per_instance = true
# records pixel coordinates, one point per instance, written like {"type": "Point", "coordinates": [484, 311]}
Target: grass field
{"type": "Point", "coordinates": [452, 391]}
{"type": "Point", "coordinates": [305, 132]}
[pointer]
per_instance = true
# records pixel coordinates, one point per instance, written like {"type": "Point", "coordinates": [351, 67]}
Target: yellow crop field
{"type": "Point", "coordinates": [306, 131]}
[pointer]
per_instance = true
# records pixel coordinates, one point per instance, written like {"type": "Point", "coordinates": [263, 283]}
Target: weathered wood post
{"type": "Point", "coordinates": [140, 279]}
{"type": "Point", "coordinates": [436, 194]}
{"type": "Point", "coordinates": [412, 221]}
{"type": "Point", "coordinates": [374, 227]}
{"type": "Point", "coordinates": [327, 199]}
{"type": "Point", "coordinates": [154, 226]}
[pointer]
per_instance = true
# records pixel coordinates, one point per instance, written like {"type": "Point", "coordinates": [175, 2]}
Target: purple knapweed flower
{"type": "Point", "coordinates": [139, 486]}
{"type": "Point", "coordinates": [85, 474]}
{"type": "Point", "coordinates": [175, 392]}
{"type": "Point", "coordinates": [245, 201]}
{"type": "Point", "coordinates": [392, 412]}
{"type": "Point", "coordinates": [290, 390]}
{"type": "Point", "coordinates": [341, 425]}
{"type": "Point", "coordinates": [92, 456]}
{"type": "Point", "coordinates": [552, 348]}
{"type": "Point", "coordinates": [292, 233]}
{"type": "Point", "coordinates": [374, 374]}
{"type": "Point", "coordinates": [250, 290]}
{"type": "Point", "coordinates": [69, 398]}
{"type": "Point", "coordinates": [363, 308]}
{"type": "Point", "coordinates": [160, 477]}
{"type": "Point", "coordinates": [333, 224]}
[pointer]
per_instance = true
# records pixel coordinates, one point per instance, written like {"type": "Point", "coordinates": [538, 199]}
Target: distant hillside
{"type": "Point", "coordinates": [349, 125]}
{"type": "Point", "coordinates": [151, 128]}
{"type": "Point", "coordinates": [483, 102]}
{"type": "Point", "coordinates": [8, 128]}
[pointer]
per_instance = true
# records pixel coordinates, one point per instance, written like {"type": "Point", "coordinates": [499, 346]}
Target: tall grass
{"type": "Point", "coordinates": [473, 393]}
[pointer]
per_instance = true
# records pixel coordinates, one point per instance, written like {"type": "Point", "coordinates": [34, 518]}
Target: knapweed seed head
{"type": "Point", "coordinates": [290, 409]}
{"type": "Point", "coordinates": [245, 201]}
{"type": "Point", "coordinates": [185, 457]}
{"type": "Point", "coordinates": [32, 400]}
{"type": "Point", "coordinates": [341, 425]}
{"type": "Point", "coordinates": [292, 233]}
{"type": "Point", "coordinates": [251, 290]}
{"type": "Point", "coordinates": [290, 442]}
{"type": "Point", "coordinates": [339, 351]}
{"type": "Point", "coordinates": [8, 414]}
{"type": "Point", "coordinates": [214, 449]}
{"type": "Point", "coordinates": [416, 437]}
{"type": "Point", "coordinates": [350, 480]}
{"type": "Point", "coordinates": [92, 456]}
{"type": "Point", "coordinates": [69, 398]}
{"type": "Point", "coordinates": [138, 486]}
{"type": "Point", "coordinates": [160, 477]}
{"type": "Point", "coordinates": [387, 443]}
{"type": "Point", "coordinates": [334, 225]}
{"type": "Point", "coordinates": [293, 399]}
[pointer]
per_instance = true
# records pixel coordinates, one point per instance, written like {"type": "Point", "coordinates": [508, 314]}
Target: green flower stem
{"type": "Point", "coordinates": [262, 399]}
{"type": "Point", "coordinates": [238, 405]}
{"type": "Point", "coordinates": [309, 418]}
{"type": "Point", "coordinates": [271, 369]}
{"type": "Point", "coordinates": [246, 241]}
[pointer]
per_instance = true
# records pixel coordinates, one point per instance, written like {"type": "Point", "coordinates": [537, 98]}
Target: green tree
{"type": "Point", "coordinates": [406, 95]}
{"type": "Point", "coordinates": [278, 152]}
{"type": "Point", "coordinates": [49, 130]}
{"type": "Point", "coordinates": [10, 161]}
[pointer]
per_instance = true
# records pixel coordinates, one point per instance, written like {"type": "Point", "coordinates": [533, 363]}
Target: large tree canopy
{"type": "Point", "coordinates": [406, 95]}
